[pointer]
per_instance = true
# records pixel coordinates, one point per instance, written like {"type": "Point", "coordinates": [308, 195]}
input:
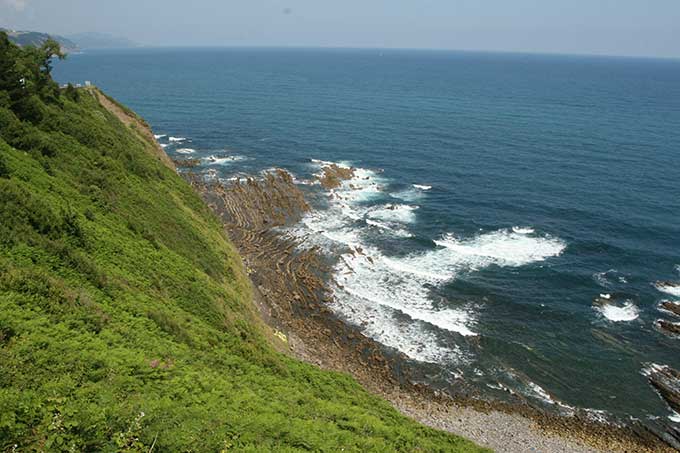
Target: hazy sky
{"type": "Point", "coordinates": [614, 27]}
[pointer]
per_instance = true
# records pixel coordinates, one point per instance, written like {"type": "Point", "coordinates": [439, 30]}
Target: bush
{"type": "Point", "coordinates": [72, 93]}
{"type": "Point", "coordinates": [4, 168]}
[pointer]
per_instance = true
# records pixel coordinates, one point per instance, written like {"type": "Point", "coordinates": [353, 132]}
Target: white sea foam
{"type": "Point", "coordinates": [500, 247]}
{"type": "Point", "coordinates": [674, 417]}
{"type": "Point", "coordinates": [210, 175]}
{"type": "Point", "coordinates": [331, 227]}
{"type": "Point", "coordinates": [377, 224]}
{"type": "Point", "coordinates": [383, 324]}
{"type": "Point", "coordinates": [394, 213]}
{"type": "Point", "coordinates": [500, 386]}
{"type": "Point", "coordinates": [401, 283]}
{"type": "Point", "coordinates": [222, 160]}
{"type": "Point", "coordinates": [597, 415]}
{"type": "Point", "coordinates": [399, 232]}
{"type": "Point", "coordinates": [652, 368]}
{"type": "Point", "coordinates": [623, 313]}
{"type": "Point", "coordinates": [324, 163]}
{"type": "Point", "coordinates": [523, 230]}
{"type": "Point", "coordinates": [410, 195]}
{"type": "Point", "coordinates": [159, 136]}
{"type": "Point", "coordinates": [540, 392]}
{"type": "Point", "coordinates": [672, 288]}
{"type": "Point", "coordinates": [186, 151]}
{"type": "Point", "coordinates": [369, 280]}
{"type": "Point", "coordinates": [609, 278]}
{"type": "Point", "coordinates": [391, 298]}
{"type": "Point", "coordinates": [164, 145]}
{"type": "Point", "coordinates": [177, 139]}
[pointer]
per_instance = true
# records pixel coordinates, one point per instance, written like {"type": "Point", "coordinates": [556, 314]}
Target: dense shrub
{"type": "Point", "coordinates": [4, 169]}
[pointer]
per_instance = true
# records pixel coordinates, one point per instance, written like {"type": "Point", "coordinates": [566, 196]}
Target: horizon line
{"type": "Point", "coordinates": [367, 48]}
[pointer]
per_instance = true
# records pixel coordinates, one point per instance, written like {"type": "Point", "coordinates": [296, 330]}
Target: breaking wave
{"type": "Point", "coordinates": [392, 298]}
{"type": "Point", "coordinates": [626, 313]}
{"type": "Point", "coordinates": [672, 288]}
{"type": "Point", "coordinates": [609, 278]}
{"type": "Point", "coordinates": [394, 213]}
{"type": "Point", "coordinates": [523, 230]}
{"type": "Point", "coordinates": [222, 160]}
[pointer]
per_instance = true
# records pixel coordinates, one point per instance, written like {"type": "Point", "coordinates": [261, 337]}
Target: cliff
{"type": "Point", "coordinates": [126, 317]}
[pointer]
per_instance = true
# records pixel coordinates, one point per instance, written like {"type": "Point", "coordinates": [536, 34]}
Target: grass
{"type": "Point", "coordinates": [126, 319]}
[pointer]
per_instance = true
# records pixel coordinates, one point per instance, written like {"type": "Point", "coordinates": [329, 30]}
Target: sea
{"type": "Point", "coordinates": [510, 216]}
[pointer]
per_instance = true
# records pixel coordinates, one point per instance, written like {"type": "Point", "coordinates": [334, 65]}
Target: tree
{"type": "Point", "coordinates": [9, 76]}
{"type": "Point", "coordinates": [25, 76]}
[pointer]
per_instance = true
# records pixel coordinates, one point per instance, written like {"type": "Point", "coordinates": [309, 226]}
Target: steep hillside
{"type": "Point", "coordinates": [126, 321]}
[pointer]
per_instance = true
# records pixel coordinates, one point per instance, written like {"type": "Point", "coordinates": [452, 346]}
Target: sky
{"type": "Point", "coordinates": [609, 27]}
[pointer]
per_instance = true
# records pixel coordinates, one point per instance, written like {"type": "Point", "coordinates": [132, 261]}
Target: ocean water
{"type": "Point", "coordinates": [496, 197]}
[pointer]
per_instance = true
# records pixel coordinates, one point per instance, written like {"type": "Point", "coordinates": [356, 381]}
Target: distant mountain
{"type": "Point", "coordinates": [101, 41]}
{"type": "Point", "coordinates": [34, 38]}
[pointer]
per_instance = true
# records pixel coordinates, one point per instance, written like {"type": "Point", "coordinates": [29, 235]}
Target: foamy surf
{"type": "Point", "coordinates": [159, 136]}
{"type": "Point", "coordinates": [223, 160]}
{"type": "Point", "coordinates": [422, 187]}
{"type": "Point", "coordinates": [186, 151]}
{"type": "Point", "coordinates": [177, 139]}
{"type": "Point", "coordinates": [672, 288]}
{"type": "Point", "coordinates": [619, 313]}
{"type": "Point", "coordinates": [394, 213]}
{"type": "Point", "coordinates": [390, 297]}
{"type": "Point", "coordinates": [411, 338]}
{"type": "Point", "coordinates": [399, 232]}
{"type": "Point", "coordinates": [500, 247]}
{"type": "Point", "coordinates": [652, 368]}
{"type": "Point", "coordinates": [523, 230]}
{"type": "Point", "coordinates": [540, 393]}
{"type": "Point", "coordinates": [609, 278]}
{"type": "Point", "coordinates": [402, 283]}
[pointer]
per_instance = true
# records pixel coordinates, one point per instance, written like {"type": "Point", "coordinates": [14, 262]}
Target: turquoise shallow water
{"type": "Point", "coordinates": [541, 182]}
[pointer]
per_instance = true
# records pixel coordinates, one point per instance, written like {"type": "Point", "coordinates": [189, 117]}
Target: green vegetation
{"type": "Point", "coordinates": [126, 321]}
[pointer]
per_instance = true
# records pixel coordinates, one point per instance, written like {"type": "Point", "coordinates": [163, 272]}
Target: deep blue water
{"type": "Point", "coordinates": [583, 153]}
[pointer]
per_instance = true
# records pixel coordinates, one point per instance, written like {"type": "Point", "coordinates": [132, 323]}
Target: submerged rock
{"type": "Point", "coordinates": [666, 381]}
{"type": "Point", "coordinates": [670, 307]}
{"type": "Point", "coordinates": [334, 174]}
{"type": "Point", "coordinates": [668, 287]}
{"type": "Point", "coordinates": [667, 327]}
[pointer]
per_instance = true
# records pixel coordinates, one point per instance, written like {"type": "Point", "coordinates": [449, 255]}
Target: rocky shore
{"type": "Point", "coordinates": [292, 295]}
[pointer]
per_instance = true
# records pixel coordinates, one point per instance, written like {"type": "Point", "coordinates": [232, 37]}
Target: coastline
{"type": "Point", "coordinates": [291, 293]}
